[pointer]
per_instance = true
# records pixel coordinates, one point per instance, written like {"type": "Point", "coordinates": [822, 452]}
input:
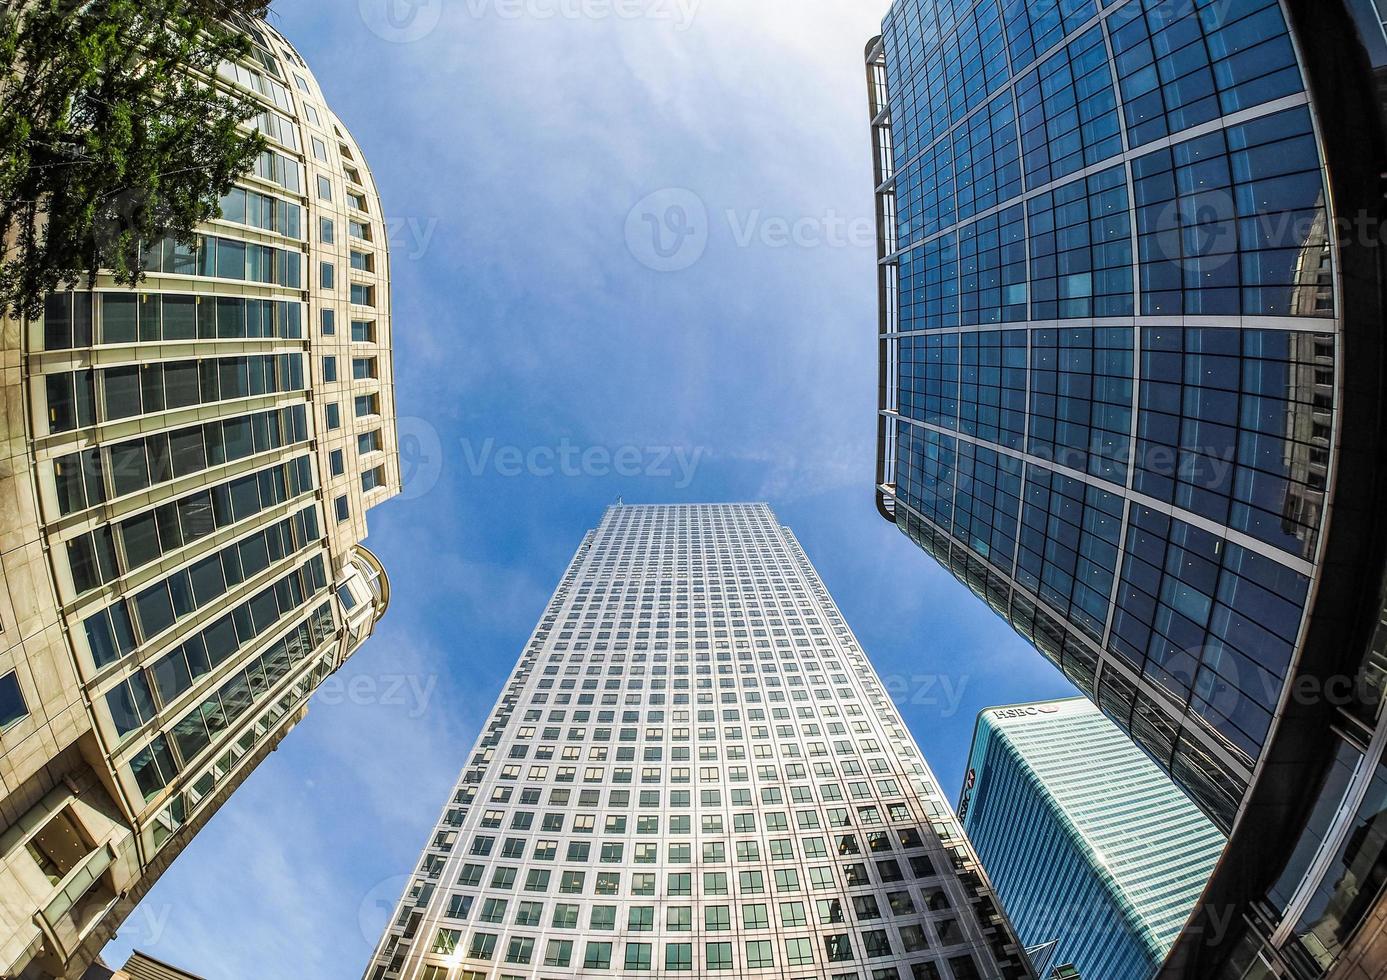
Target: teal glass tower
{"type": "Point", "coordinates": [1086, 841]}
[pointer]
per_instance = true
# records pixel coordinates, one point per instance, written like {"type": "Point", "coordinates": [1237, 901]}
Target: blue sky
{"type": "Point", "coordinates": [550, 356]}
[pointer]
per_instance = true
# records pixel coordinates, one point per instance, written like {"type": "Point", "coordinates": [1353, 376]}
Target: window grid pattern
{"type": "Point", "coordinates": [1229, 423]}
{"type": "Point", "coordinates": [694, 770]}
{"type": "Point", "coordinates": [1068, 111]}
{"type": "Point", "coordinates": [1081, 399]}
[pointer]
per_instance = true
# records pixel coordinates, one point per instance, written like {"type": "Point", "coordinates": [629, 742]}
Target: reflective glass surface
{"type": "Point", "coordinates": [1114, 357]}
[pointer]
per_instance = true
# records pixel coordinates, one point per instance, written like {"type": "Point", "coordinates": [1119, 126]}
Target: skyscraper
{"type": "Point", "coordinates": [695, 770]}
{"type": "Point", "coordinates": [186, 474]}
{"type": "Point", "coordinates": [1086, 841]}
{"type": "Point", "coordinates": [1131, 370]}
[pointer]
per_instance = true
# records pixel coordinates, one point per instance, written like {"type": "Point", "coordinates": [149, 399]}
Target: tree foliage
{"type": "Point", "coordinates": [110, 134]}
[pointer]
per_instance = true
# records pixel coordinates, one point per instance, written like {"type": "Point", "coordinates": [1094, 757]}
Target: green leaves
{"type": "Point", "coordinates": [111, 134]}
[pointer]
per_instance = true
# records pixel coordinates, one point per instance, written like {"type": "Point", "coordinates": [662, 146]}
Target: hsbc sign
{"type": "Point", "coordinates": [1026, 712]}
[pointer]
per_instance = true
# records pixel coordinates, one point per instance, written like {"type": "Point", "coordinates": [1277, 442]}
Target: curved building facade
{"type": "Point", "coordinates": [1131, 396]}
{"type": "Point", "coordinates": [187, 470]}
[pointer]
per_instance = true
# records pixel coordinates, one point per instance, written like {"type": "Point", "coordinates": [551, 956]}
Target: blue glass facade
{"type": "Point", "coordinates": [1088, 844]}
{"type": "Point", "coordinates": [1111, 346]}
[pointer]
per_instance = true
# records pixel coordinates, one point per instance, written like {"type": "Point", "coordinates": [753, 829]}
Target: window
{"type": "Point", "coordinates": [337, 462]}
{"type": "Point", "coordinates": [718, 955]}
{"type": "Point", "coordinates": [679, 957]}
{"type": "Point", "coordinates": [333, 412]}
{"type": "Point", "coordinates": [598, 956]}
{"type": "Point", "coordinates": [1338, 905]}
{"type": "Point", "coordinates": [913, 938]}
{"type": "Point", "coordinates": [755, 917]}
{"type": "Point", "coordinates": [483, 946]}
{"type": "Point", "coordinates": [799, 952]}
{"type": "Point", "coordinates": [343, 512]}
{"type": "Point", "coordinates": [327, 275]}
{"type": "Point", "coordinates": [638, 956]}
{"type": "Point", "coordinates": [329, 369]}
{"type": "Point", "coordinates": [364, 368]}
{"type": "Point", "coordinates": [559, 952]}
{"type": "Point", "coordinates": [329, 322]}
{"type": "Point", "coordinates": [131, 704]}
{"type": "Point", "coordinates": [326, 231]}
{"type": "Point", "coordinates": [877, 943]}
{"type": "Point", "coordinates": [363, 332]}
{"type": "Point", "coordinates": [521, 950]}
{"type": "Point", "coordinates": [494, 910]}
{"type": "Point", "coordinates": [759, 955]}
{"type": "Point", "coordinates": [837, 948]}
{"type": "Point", "coordinates": [964, 968]}
{"type": "Point", "coordinates": [717, 918]}
{"type": "Point", "coordinates": [528, 913]}
{"type": "Point", "coordinates": [793, 914]}
{"type": "Point", "coordinates": [319, 150]}
{"type": "Point", "coordinates": [324, 189]}
{"type": "Point", "coordinates": [363, 261]}
{"type": "Point", "coordinates": [363, 295]}
{"type": "Point", "coordinates": [12, 707]}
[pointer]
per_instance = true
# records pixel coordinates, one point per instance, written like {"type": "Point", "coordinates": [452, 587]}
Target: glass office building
{"type": "Point", "coordinates": [694, 771]}
{"type": "Point", "coordinates": [1131, 396]}
{"type": "Point", "coordinates": [187, 467]}
{"type": "Point", "coordinates": [1086, 841]}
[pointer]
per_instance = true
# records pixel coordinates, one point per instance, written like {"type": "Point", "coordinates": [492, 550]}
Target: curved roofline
{"type": "Point", "coordinates": [369, 557]}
